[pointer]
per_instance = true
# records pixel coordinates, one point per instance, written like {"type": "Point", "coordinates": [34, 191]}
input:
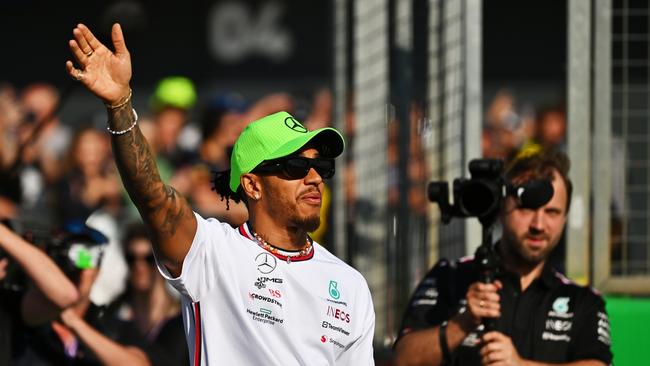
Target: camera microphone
{"type": "Point", "coordinates": [533, 194]}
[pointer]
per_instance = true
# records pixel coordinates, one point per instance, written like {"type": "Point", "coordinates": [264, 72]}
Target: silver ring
{"type": "Point", "coordinates": [89, 53]}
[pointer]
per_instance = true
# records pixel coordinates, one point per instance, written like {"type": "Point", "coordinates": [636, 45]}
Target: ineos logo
{"type": "Point", "coordinates": [294, 125]}
{"type": "Point", "coordinates": [265, 262]}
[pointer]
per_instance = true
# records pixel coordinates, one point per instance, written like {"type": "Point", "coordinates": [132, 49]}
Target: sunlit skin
{"type": "Point", "coordinates": [532, 234]}
{"type": "Point", "coordinates": [282, 210]}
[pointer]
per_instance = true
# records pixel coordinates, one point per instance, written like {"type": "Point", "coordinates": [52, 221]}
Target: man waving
{"type": "Point", "coordinates": [263, 293]}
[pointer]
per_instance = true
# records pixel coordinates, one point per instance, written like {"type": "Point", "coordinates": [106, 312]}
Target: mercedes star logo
{"type": "Point", "coordinates": [294, 125]}
{"type": "Point", "coordinates": [265, 262]}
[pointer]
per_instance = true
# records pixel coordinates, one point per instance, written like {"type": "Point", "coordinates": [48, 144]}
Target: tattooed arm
{"type": "Point", "coordinates": [167, 214]}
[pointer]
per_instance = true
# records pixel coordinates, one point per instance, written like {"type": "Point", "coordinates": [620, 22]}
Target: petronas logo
{"type": "Point", "coordinates": [334, 292]}
{"type": "Point", "coordinates": [561, 305]}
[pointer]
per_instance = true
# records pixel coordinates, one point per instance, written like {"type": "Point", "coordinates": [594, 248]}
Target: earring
{"type": "Point", "coordinates": [257, 196]}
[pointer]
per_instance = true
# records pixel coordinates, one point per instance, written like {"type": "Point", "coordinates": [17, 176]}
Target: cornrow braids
{"type": "Point", "coordinates": [221, 185]}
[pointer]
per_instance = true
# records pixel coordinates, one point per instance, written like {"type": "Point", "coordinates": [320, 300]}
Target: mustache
{"type": "Point", "coordinates": [310, 191]}
{"type": "Point", "coordinates": [536, 236]}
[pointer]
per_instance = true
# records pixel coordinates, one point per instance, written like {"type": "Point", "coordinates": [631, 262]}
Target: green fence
{"type": "Point", "coordinates": [630, 326]}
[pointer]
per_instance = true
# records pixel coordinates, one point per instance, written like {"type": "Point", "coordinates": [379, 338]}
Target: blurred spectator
{"type": "Point", "coordinates": [320, 114]}
{"type": "Point", "coordinates": [506, 129]}
{"type": "Point", "coordinates": [550, 129]}
{"type": "Point", "coordinates": [221, 122]}
{"type": "Point", "coordinates": [10, 189]}
{"type": "Point", "coordinates": [148, 303]}
{"type": "Point", "coordinates": [171, 102]}
{"type": "Point", "coordinates": [49, 292]}
{"type": "Point", "coordinates": [269, 104]}
{"type": "Point", "coordinates": [51, 138]}
{"type": "Point", "coordinates": [90, 180]}
{"type": "Point", "coordinates": [417, 168]}
{"type": "Point", "coordinates": [80, 337]}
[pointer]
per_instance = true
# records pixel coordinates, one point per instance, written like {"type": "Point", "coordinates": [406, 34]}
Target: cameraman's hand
{"type": "Point", "coordinates": [103, 72]}
{"type": "Point", "coordinates": [4, 262]}
{"type": "Point", "coordinates": [498, 350]}
{"type": "Point", "coordinates": [483, 301]}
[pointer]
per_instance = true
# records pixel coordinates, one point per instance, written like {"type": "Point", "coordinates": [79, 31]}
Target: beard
{"type": "Point", "coordinates": [280, 206]}
{"type": "Point", "coordinates": [525, 255]}
{"type": "Point", "coordinates": [309, 223]}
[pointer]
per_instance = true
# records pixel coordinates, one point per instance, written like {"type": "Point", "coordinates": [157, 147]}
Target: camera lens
{"type": "Point", "coordinates": [478, 198]}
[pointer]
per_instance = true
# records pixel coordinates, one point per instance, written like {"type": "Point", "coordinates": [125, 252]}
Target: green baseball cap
{"type": "Point", "coordinates": [173, 91]}
{"type": "Point", "coordinates": [275, 136]}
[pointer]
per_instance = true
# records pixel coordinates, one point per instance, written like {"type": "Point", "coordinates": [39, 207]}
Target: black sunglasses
{"type": "Point", "coordinates": [297, 167]}
{"type": "Point", "coordinates": [130, 258]}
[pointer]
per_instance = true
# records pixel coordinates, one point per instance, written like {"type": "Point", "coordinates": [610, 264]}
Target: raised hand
{"type": "Point", "coordinates": [105, 73]}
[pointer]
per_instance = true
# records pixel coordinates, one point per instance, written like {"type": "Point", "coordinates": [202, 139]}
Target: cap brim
{"type": "Point", "coordinates": [327, 141]}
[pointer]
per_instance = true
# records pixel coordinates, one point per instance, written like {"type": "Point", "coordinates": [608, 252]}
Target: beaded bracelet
{"type": "Point", "coordinates": [122, 103]}
{"type": "Point", "coordinates": [135, 121]}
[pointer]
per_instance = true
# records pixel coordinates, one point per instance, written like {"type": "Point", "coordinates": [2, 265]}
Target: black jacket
{"type": "Point", "coordinates": [554, 320]}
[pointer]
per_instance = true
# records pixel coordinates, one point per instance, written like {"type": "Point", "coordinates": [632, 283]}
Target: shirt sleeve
{"type": "Point", "coordinates": [201, 265]}
{"type": "Point", "coordinates": [430, 304]}
{"type": "Point", "coordinates": [591, 339]}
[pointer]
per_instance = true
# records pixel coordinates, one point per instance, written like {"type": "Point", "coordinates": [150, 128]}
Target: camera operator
{"type": "Point", "coordinates": [540, 317]}
{"type": "Point", "coordinates": [51, 291]}
{"type": "Point", "coordinates": [81, 335]}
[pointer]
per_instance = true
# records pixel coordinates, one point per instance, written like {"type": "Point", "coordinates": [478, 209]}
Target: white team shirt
{"type": "Point", "coordinates": [243, 305]}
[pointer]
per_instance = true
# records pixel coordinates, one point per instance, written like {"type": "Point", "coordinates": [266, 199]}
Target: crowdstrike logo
{"type": "Point", "coordinates": [254, 296]}
{"type": "Point", "coordinates": [266, 262]}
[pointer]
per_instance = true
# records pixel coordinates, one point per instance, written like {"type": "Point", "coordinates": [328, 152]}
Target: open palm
{"type": "Point", "coordinates": [105, 73]}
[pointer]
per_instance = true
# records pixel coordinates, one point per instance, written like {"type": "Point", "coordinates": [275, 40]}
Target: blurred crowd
{"type": "Point", "coordinates": [61, 193]}
{"type": "Point", "coordinates": [61, 199]}
{"type": "Point", "coordinates": [510, 126]}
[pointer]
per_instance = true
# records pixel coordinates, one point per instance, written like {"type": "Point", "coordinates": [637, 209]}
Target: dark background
{"type": "Point", "coordinates": [524, 41]}
{"type": "Point", "coordinates": [164, 37]}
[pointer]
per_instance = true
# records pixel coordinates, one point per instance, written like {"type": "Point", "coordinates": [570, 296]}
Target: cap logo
{"type": "Point", "coordinates": [294, 125]}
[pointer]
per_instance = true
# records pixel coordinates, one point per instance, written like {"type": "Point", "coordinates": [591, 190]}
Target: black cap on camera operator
{"type": "Point", "coordinates": [540, 316]}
